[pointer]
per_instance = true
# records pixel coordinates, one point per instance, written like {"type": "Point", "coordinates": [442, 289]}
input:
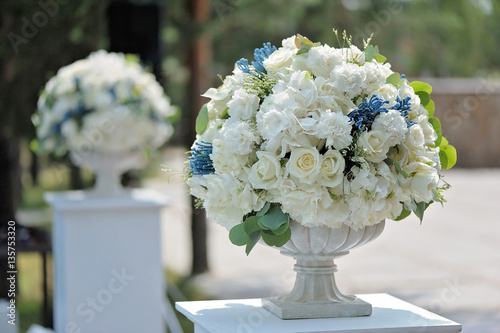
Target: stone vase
{"type": "Point", "coordinates": [315, 293]}
{"type": "Point", "coordinates": [108, 168]}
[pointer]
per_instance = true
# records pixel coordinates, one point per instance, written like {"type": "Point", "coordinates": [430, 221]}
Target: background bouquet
{"type": "Point", "coordinates": [322, 135]}
{"type": "Point", "coordinates": [106, 102]}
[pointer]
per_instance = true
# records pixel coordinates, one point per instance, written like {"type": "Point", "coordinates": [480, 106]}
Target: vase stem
{"type": "Point", "coordinates": [315, 281]}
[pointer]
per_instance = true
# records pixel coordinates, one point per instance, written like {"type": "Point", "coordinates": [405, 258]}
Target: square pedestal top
{"type": "Point", "coordinates": [390, 315]}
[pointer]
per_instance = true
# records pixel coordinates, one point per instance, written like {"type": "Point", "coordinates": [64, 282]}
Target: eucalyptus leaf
{"type": "Point", "coordinates": [281, 229]}
{"type": "Point", "coordinates": [253, 239]}
{"type": "Point", "coordinates": [419, 211]}
{"type": "Point", "coordinates": [369, 53]}
{"type": "Point", "coordinates": [264, 209]}
{"type": "Point", "coordinates": [238, 236]}
{"type": "Point", "coordinates": [273, 219]}
{"type": "Point", "coordinates": [202, 120]}
{"type": "Point", "coordinates": [250, 225]}
{"type": "Point", "coordinates": [276, 240]}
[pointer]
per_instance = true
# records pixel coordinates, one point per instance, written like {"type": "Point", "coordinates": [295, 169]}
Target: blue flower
{"type": "Point", "coordinates": [243, 65]}
{"type": "Point", "coordinates": [260, 54]}
{"type": "Point", "coordinates": [367, 111]}
{"type": "Point", "coordinates": [404, 106]}
{"type": "Point", "coordinates": [200, 162]}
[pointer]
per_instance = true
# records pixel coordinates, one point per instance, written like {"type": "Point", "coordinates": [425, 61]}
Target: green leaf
{"type": "Point", "coordinates": [447, 155]}
{"type": "Point", "coordinates": [238, 236]}
{"type": "Point", "coordinates": [425, 98]}
{"type": "Point", "coordinates": [303, 49]}
{"type": "Point", "coordinates": [250, 225]}
{"type": "Point", "coordinates": [380, 58]}
{"type": "Point", "coordinates": [419, 211]}
{"type": "Point", "coordinates": [436, 124]}
{"type": "Point", "coordinates": [303, 44]}
{"type": "Point", "coordinates": [264, 209]}
{"type": "Point", "coordinates": [394, 79]}
{"type": "Point", "coordinates": [399, 169]}
{"type": "Point", "coordinates": [404, 214]}
{"type": "Point", "coordinates": [253, 239]}
{"type": "Point", "coordinates": [281, 229]}
{"type": "Point", "coordinates": [273, 219]}
{"type": "Point", "coordinates": [202, 120]}
{"type": "Point", "coordinates": [276, 240]}
{"type": "Point", "coordinates": [430, 108]}
{"type": "Point", "coordinates": [421, 86]}
{"type": "Point", "coordinates": [225, 114]}
{"type": "Point", "coordinates": [369, 53]}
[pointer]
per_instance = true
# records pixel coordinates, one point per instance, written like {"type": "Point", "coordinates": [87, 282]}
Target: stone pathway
{"type": "Point", "coordinates": [449, 265]}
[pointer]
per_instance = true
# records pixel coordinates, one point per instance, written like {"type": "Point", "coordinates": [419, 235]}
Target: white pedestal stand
{"type": "Point", "coordinates": [107, 262]}
{"type": "Point", "coordinates": [390, 314]}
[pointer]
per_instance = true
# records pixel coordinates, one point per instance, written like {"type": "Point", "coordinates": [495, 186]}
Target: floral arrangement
{"type": "Point", "coordinates": [317, 134]}
{"type": "Point", "coordinates": [106, 102]}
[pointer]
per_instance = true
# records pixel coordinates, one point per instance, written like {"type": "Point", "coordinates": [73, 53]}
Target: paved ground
{"type": "Point", "coordinates": [449, 265]}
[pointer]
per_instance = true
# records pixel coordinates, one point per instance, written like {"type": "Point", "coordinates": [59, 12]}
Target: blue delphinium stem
{"type": "Point", "coordinates": [367, 111]}
{"type": "Point", "coordinates": [260, 54]}
{"type": "Point", "coordinates": [404, 106]}
{"type": "Point", "coordinates": [200, 162]}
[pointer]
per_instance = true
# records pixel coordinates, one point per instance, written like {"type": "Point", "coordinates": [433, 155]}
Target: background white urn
{"type": "Point", "coordinates": [108, 168]}
{"type": "Point", "coordinates": [315, 293]}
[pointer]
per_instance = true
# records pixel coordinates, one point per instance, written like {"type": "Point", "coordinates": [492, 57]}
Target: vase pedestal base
{"type": "Point", "coordinates": [298, 310]}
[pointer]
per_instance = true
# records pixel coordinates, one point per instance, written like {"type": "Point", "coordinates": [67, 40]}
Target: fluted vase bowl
{"type": "Point", "coordinates": [315, 293]}
{"type": "Point", "coordinates": [108, 168]}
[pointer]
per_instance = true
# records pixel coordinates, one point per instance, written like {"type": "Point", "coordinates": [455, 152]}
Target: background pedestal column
{"type": "Point", "coordinates": [108, 275]}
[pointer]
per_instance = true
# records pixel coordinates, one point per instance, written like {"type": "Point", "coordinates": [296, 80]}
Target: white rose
{"type": "Point", "coordinates": [266, 172]}
{"type": "Point", "coordinates": [332, 169]}
{"type": "Point", "coordinates": [375, 144]}
{"type": "Point", "coordinates": [243, 105]}
{"type": "Point", "coordinates": [425, 179]}
{"type": "Point", "coordinates": [386, 92]}
{"type": "Point", "coordinates": [279, 59]}
{"type": "Point", "coordinates": [415, 139]}
{"type": "Point", "coordinates": [304, 164]}
{"type": "Point", "coordinates": [289, 43]}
